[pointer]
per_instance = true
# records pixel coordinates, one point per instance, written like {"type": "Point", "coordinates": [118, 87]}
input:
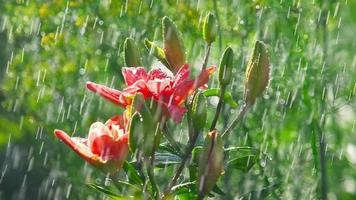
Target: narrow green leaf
{"type": "Point", "coordinates": [132, 173]}
{"type": "Point", "coordinates": [107, 192]}
{"type": "Point", "coordinates": [166, 159]}
{"type": "Point", "coordinates": [261, 194]}
{"type": "Point", "coordinates": [242, 158]}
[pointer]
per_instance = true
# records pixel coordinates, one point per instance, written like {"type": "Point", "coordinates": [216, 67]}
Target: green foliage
{"type": "Point", "coordinates": [49, 49]}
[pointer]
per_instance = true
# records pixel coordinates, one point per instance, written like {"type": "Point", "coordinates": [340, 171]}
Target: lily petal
{"type": "Point", "coordinates": [78, 145]}
{"type": "Point", "coordinates": [133, 74]}
{"type": "Point", "coordinates": [177, 113]}
{"type": "Point", "coordinates": [115, 96]}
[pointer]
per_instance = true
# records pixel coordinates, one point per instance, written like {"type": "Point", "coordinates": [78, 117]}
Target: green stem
{"type": "Point", "coordinates": [206, 57]}
{"type": "Point", "coordinates": [238, 118]}
{"type": "Point", "coordinates": [181, 166]}
{"type": "Point", "coordinates": [218, 109]}
{"type": "Point", "coordinates": [322, 152]}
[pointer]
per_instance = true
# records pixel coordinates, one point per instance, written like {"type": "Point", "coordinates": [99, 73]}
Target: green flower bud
{"type": "Point", "coordinates": [199, 114]}
{"type": "Point", "coordinates": [210, 29]}
{"type": "Point", "coordinates": [173, 45]}
{"type": "Point", "coordinates": [143, 129]}
{"type": "Point", "coordinates": [211, 164]}
{"type": "Point", "coordinates": [225, 67]}
{"type": "Point", "coordinates": [257, 73]}
{"type": "Point", "coordinates": [132, 56]}
{"type": "Point", "coordinates": [157, 52]}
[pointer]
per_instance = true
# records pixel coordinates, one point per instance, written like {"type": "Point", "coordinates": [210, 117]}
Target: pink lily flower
{"type": "Point", "coordinates": [106, 146]}
{"type": "Point", "coordinates": [169, 92]}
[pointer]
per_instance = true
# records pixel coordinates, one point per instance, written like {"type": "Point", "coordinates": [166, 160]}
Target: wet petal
{"type": "Point", "coordinates": [97, 130]}
{"type": "Point", "coordinates": [182, 74]}
{"type": "Point", "coordinates": [115, 96]}
{"type": "Point", "coordinates": [133, 74]}
{"type": "Point", "coordinates": [78, 145]}
{"type": "Point", "coordinates": [203, 77]}
{"type": "Point", "coordinates": [176, 113]}
{"type": "Point", "coordinates": [157, 86]}
{"type": "Point", "coordinates": [157, 74]}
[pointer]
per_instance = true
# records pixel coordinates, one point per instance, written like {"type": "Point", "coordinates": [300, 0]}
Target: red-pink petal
{"type": "Point", "coordinates": [203, 77]}
{"type": "Point", "coordinates": [133, 74]}
{"type": "Point", "coordinates": [157, 86]}
{"type": "Point", "coordinates": [176, 113]}
{"type": "Point", "coordinates": [97, 130]}
{"type": "Point", "coordinates": [182, 75]}
{"type": "Point", "coordinates": [157, 74]}
{"type": "Point", "coordinates": [78, 145]}
{"type": "Point", "coordinates": [115, 96]}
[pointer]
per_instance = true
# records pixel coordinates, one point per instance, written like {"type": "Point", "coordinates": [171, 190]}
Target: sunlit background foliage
{"type": "Point", "coordinates": [49, 49]}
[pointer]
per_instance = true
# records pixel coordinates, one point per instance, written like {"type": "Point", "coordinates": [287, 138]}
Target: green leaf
{"type": "Point", "coordinates": [132, 174]}
{"type": "Point", "coordinates": [107, 192]}
{"type": "Point", "coordinates": [166, 159]}
{"type": "Point", "coordinates": [242, 158]}
{"type": "Point", "coordinates": [261, 194]}
{"type": "Point", "coordinates": [169, 148]}
{"type": "Point", "coordinates": [216, 91]}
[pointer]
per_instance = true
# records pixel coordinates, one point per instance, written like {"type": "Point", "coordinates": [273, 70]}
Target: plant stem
{"type": "Point", "coordinates": [206, 57]}
{"type": "Point", "coordinates": [150, 174]}
{"type": "Point", "coordinates": [321, 136]}
{"type": "Point", "coordinates": [238, 118]}
{"type": "Point", "coordinates": [322, 152]}
{"type": "Point", "coordinates": [171, 140]}
{"type": "Point", "coordinates": [218, 109]}
{"type": "Point", "coordinates": [181, 166]}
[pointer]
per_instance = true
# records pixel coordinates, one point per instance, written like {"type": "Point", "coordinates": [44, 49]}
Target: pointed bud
{"type": "Point", "coordinates": [173, 45]}
{"type": "Point", "coordinates": [257, 73]}
{"type": "Point", "coordinates": [157, 52]}
{"type": "Point", "coordinates": [199, 114]}
{"type": "Point", "coordinates": [210, 28]}
{"type": "Point", "coordinates": [225, 67]}
{"type": "Point", "coordinates": [132, 56]}
{"type": "Point", "coordinates": [211, 164]}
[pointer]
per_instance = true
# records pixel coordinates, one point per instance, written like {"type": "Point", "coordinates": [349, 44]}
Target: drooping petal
{"type": "Point", "coordinates": [115, 96]}
{"type": "Point", "coordinates": [133, 74]}
{"type": "Point", "coordinates": [78, 145]}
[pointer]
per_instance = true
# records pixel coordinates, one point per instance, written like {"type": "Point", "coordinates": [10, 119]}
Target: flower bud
{"type": "Point", "coordinates": [173, 45]}
{"type": "Point", "coordinates": [211, 164]}
{"type": "Point", "coordinates": [225, 67]}
{"type": "Point", "coordinates": [132, 56]}
{"type": "Point", "coordinates": [257, 73]}
{"type": "Point", "coordinates": [157, 52]}
{"type": "Point", "coordinates": [142, 128]}
{"type": "Point", "coordinates": [210, 29]}
{"type": "Point", "coordinates": [199, 114]}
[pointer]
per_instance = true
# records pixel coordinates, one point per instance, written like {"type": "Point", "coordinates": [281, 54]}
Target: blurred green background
{"type": "Point", "coordinates": [49, 49]}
